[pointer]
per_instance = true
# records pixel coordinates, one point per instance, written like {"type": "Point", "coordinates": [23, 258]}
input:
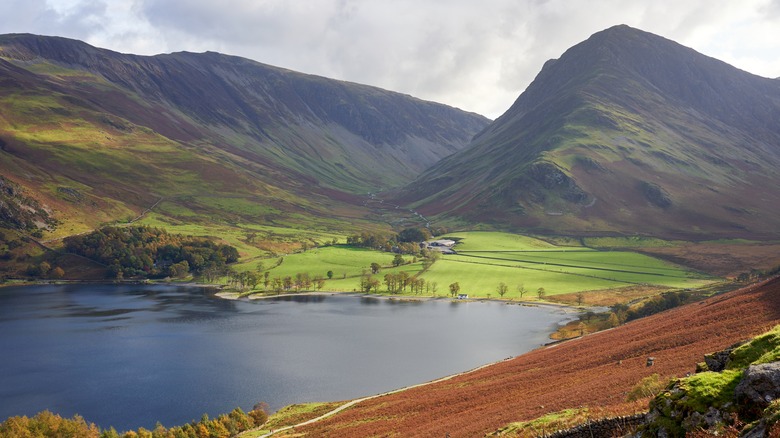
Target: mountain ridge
{"type": "Point", "coordinates": [82, 118]}
{"type": "Point", "coordinates": [607, 136]}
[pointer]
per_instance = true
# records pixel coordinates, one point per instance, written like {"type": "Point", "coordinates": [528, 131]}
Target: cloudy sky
{"type": "Point", "coordinates": [475, 55]}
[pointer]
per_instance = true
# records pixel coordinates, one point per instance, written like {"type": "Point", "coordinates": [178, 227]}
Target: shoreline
{"type": "Point", "coordinates": [221, 293]}
{"type": "Point", "coordinates": [25, 283]}
{"type": "Point", "coordinates": [230, 295]}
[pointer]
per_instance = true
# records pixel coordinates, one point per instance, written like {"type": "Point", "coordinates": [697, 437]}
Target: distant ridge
{"type": "Point", "coordinates": [236, 126]}
{"type": "Point", "coordinates": [627, 132]}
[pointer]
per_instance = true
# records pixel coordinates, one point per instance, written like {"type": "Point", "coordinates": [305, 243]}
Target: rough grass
{"type": "Point", "coordinates": [291, 415]}
{"type": "Point", "coordinates": [761, 349]}
{"type": "Point", "coordinates": [545, 424]}
{"type": "Point", "coordinates": [709, 389]}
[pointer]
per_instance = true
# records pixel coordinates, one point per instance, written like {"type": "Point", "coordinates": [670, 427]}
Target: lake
{"type": "Point", "coordinates": [131, 355]}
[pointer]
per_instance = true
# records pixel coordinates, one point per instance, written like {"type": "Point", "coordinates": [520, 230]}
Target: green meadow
{"type": "Point", "coordinates": [485, 259]}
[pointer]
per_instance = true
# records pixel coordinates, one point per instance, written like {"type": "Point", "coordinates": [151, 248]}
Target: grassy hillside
{"type": "Point", "coordinates": [627, 133]}
{"type": "Point", "coordinates": [594, 373]}
{"type": "Point", "coordinates": [226, 145]}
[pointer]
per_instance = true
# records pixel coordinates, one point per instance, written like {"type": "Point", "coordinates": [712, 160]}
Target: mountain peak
{"type": "Point", "coordinates": [627, 131]}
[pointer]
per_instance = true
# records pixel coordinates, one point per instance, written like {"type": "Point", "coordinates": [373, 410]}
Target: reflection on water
{"type": "Point", "coordinates": [128, 355]}
{"type": "Point", "coordinates": [300, 298]}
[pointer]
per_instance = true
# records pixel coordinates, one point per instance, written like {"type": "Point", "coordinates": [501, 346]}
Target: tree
{"type": "Point", "coordinates": [502, 289]}
{"type": "Point", "coordinates": [44, 268]}
{"type": "Point", "coordinates": [398, 260]}
{"type": "Point", "coordinates": [580, 298]}
{"type": "Point", "coordinates": [613, 320]}
{"type": "Point", "coordinates": [403, 281]}
{"type": "Point", "coordinates": [521, 289]}
{"type": "Point", "coordinates": [454, 288]}
{"type": "Point", "coordinates": [391, 280]}
{"type": "Point", "coordinates": [251, 279]}
{"type": "Point", "coordinates": [180, 269]}
{"type": "Point", "coordinates": [413, 235]}
{"type": "Point", "coordinates": [259, 413]}
{"type": "Point", "coordinates": [375, 267]}
{"type": "Point", "coordinates": [278, 284]}
{"type": "Point", "coordinates": [541, 293]}
{"type": "Point", "coordinates": [57, 273]}
{"type": "Point", "coordinates": [329, 274]}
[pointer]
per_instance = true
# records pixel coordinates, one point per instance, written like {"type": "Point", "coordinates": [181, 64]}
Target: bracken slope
{"type": "Point", "coordinates": [594, 371]}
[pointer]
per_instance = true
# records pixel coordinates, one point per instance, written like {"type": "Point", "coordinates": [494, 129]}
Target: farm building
{"type": "Point", "coordinates": [442, 245]}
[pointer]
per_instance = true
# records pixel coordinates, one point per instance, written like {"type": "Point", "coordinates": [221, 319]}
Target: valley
{"type": "Point", "coordinates": [629, 197]}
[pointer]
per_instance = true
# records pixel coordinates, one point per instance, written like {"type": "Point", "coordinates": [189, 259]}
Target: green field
{"type": "Point", "coordinates": [485, 259]}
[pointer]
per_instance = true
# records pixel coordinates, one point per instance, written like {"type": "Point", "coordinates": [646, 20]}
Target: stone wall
{"type": "Point", "coordinates": [604, 428]}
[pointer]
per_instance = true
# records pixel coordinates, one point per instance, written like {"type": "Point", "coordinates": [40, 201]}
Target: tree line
{"type": "Point", "coordinates": [396, 283]}
{"type": "Point", "coordinates": [149, 252]}
{"type": "Point", "coordinates": [405, 242]}
{"type": "Point", "coordinates": [657, 304]}
{"type": "Point", "coordinates": [45, 424]}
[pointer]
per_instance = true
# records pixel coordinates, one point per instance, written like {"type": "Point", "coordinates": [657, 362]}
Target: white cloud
{"type": "Point", "coordinates": [478, 56]}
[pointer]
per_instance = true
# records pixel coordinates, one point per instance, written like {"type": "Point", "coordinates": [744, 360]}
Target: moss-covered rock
{"type": "Point", "coordinates": [745, 390]}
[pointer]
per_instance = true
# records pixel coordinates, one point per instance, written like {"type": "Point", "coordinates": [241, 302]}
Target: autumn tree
{"type": "Point", "coordinates": [44, 268]}
{"type": "Point", "coordinates": [319, 282]}
{"type": "Point", "coordinates": [502, 289]}
{"type": "Point", "coordinates": [398, 260]}
{"type": "Point", "coordinates": [375, 268]}
{"type": "Point", "coordinates": [57, 273]}
{"type": "Point", "coordinates": [541, 293]}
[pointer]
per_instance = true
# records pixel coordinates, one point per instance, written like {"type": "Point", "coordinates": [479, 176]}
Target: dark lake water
{"type": "Point", "coordinates": [128, 356]}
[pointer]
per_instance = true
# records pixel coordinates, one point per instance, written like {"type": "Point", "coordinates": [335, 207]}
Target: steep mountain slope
{"type": "Point", "coordinates": [595, 372]}
{"type": "Point", "coordinates": [626, 132]}
{"type": "Point", "coordinates": [103, 134]}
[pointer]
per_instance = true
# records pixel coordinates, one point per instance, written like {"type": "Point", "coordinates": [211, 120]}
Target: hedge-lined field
{"type": "Point", "coordinates": [486, 259]}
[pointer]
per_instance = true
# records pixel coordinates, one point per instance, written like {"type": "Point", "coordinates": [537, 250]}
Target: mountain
{"type": "Point", "coordinates": [627, 132]}
{"type": "Point", "coordinates": [98, 136]}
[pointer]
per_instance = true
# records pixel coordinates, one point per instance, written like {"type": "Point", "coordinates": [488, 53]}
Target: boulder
{"type": "Point", "coordinates": [759, 386]}
{"type": "Point", "coordinates": [717, 361]}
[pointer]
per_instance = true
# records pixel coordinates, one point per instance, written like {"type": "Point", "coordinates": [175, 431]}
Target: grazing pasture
{"type": "Point", "coordinates": [486, 259]}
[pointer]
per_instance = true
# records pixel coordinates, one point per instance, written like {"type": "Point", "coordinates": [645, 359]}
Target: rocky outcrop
{"type": "Point", "coordinates": [739, 392]}
{"type": "Point", "coordinates": [759, 387]}
{"type": "Point", "coordinates": [719, 360]}
{"type": "Point", "coordinates": [607, 427]}
{"type": "Point", "coordinates": [655, 194]}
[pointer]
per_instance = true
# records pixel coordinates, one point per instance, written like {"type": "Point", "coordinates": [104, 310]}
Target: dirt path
{"type": "Point", "coordinates": [356, 401]}
{"type": "Point", "coordinates": [595, 371]}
